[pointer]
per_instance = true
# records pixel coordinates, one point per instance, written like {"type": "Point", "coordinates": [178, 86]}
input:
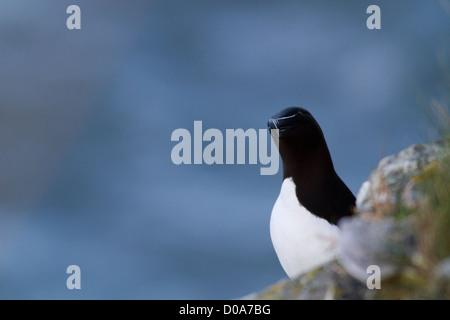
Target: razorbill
{"type": "Point", "coordinates": [312, 197]}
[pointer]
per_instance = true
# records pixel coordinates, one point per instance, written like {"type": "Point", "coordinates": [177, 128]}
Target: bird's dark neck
{"type": "Point", "coordinates": [318, 187]}
{"type": "Point", "coordinates": [315, 165]}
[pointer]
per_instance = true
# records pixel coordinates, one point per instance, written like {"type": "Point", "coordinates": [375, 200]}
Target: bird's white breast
{"type": "Point", "coordinates": [301, 240]}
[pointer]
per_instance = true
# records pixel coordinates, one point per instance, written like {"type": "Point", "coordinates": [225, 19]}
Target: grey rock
{"type": "Point", "coordinates": [392, 181]}
{"type": "Point", "coordinates": [329, 282]}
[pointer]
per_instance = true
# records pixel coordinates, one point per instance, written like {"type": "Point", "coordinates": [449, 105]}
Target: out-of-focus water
{"type": "Point", "coordinates": [86, 118]}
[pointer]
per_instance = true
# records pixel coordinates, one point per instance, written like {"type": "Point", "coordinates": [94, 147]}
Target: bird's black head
{"type": "Point", "coordinates": [300, 136]}
{"type": "Point", "coordinates": [289, 118]}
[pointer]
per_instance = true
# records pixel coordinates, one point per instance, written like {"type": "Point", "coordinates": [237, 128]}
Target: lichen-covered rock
{"type": "Point", "coordinates": [392, 183]}
{"type": "Point", "coordinates": [330, 281]}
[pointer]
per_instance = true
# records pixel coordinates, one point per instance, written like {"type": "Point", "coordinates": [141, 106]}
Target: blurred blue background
{"type": "Point", "coordinates": [86, 118]}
